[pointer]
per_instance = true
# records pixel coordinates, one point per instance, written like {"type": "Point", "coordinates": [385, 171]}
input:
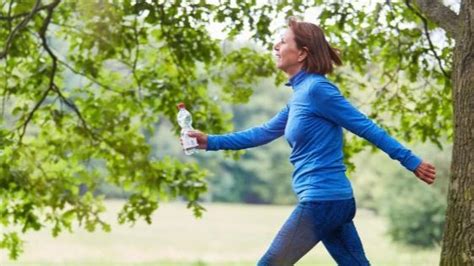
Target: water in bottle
{"type": "Point", "coordinates": [185, 122]}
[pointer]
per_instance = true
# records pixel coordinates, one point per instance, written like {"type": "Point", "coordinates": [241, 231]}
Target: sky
{"type": "Point", "coordinates": [311, 15]}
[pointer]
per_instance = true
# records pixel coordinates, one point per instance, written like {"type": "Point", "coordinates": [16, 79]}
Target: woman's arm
{"type": "Point", "coordinates": [330, 104]}
{"type": "Point", "coordinates": [248, 138]}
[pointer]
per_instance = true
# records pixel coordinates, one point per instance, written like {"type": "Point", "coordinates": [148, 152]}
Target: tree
{"type": "Point", "coordinates": [137, 59]}
{"type": "Point", "coordinates": [458, 234]}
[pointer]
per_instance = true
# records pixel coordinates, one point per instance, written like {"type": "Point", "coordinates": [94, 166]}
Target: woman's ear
{"type": "Point", "coordinates": [303, 54]}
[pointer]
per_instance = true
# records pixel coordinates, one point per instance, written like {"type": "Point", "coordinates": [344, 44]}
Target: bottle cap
{"type": "Point", "coordinates": [181, 105]}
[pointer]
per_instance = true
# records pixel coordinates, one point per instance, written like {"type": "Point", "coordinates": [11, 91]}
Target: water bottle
{"type": "Point", "coordinates": [185, 120]}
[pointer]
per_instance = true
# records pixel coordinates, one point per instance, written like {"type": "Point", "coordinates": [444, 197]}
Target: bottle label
{"type": "Point", "coordinates": [189, 143]}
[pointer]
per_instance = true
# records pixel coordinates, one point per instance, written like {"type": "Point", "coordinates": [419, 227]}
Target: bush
{"type": "Point", "coordinates": [416, 212]}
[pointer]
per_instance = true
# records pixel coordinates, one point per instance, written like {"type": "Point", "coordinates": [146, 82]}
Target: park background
{"type": "Point", "coordinates": [248, 201]}
{"type": "Point", "coordinates": [246, 196]}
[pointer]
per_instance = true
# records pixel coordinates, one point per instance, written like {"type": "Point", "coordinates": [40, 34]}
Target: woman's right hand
{"type": "Point", "coordinates": [200, 137]}
{"type": "Point", "coordinates": [426, 172]}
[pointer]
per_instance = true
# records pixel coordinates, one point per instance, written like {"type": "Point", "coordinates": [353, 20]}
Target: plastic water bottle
{"type": "Point", "coordinates": [185, 122]}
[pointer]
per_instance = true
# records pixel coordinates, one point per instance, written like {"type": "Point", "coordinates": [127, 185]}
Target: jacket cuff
{"type": "Point", "coordinates": [412, 163]}
{"type": "Point", "coordinates": [212, 143]}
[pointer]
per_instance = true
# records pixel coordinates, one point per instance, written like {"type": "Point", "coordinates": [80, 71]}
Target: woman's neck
{"type": "Point", "coordinates": [292, 72]}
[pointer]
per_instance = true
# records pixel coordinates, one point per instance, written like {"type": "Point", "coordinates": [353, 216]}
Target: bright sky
{"type": "Point", "coordinates": [312, 14]}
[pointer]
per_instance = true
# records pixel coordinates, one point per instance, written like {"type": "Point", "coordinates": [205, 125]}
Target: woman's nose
{"type": "Point", "coordinates": [276, 46]}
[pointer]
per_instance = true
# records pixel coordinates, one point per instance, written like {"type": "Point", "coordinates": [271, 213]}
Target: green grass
{"type": "Point", "coordinates": [228, 234]}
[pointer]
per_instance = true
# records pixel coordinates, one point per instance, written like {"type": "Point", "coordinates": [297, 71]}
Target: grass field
{"type": "Point", "coordinates": [228, 234]}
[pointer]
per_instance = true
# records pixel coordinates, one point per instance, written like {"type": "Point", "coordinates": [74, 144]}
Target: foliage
{"type": "Point", "coordinates": [416, 215]}
{"type": "Point", "coordinates": [134, 60]}
{"type": "Point", "coordinates": [415, 212]}
{"type": "Point", "coordinates": [263, 174]}
{"type": "Point", "coordinates": [390, 50]}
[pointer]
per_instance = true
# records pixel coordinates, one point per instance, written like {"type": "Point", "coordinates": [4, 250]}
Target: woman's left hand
{"type": "Point", "coordinates": [426, 172]}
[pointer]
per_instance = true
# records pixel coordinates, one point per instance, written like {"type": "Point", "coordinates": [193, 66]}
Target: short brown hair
{"type": "Point", "coordinates": [321, 56]}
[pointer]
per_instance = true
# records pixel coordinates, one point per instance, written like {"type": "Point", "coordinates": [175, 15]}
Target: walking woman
{"type": "Point", "coordinates": [312, 123]}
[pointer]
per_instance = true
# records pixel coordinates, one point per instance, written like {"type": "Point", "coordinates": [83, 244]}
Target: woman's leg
{"type": "Point", "coordinates": [307, 225]}
{"type": "Point", "coordinates": [345, 246]}
{"type": "Point", "coordinates": [293, 241]}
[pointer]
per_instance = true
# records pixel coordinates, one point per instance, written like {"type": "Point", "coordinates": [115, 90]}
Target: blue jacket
{"type": "Point", "coordinates": [312, 123]}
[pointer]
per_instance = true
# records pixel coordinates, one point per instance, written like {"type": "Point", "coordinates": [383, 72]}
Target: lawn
{"type": "Point", "coordinates": [228, 234]}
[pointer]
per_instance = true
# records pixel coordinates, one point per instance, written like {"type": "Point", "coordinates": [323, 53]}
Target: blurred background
{"type": "Point", "coordinates": [97, 175]}
{"type": "Point", "coordinates": [399, 218]}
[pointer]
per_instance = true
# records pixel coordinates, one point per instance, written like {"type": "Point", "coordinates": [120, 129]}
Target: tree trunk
{"type": "Point", "coordinates": [458, 241]}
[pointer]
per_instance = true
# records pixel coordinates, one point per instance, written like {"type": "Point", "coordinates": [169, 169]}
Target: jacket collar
{"type": "Point", "coordinates": [297, 78]}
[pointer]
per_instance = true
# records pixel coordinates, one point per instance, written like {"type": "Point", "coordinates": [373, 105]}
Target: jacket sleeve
{"type": "Point", "coordinates": [331, 104]}
{"type": "Point", "coordinates": [251, 137]}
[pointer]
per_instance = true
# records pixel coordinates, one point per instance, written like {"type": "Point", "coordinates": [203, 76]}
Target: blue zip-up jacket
{"type": "Point", "coordinates": [312, 123]}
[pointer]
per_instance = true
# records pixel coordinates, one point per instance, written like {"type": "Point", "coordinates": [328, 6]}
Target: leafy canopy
{"type": "Point", "coordinates": [84, 83]}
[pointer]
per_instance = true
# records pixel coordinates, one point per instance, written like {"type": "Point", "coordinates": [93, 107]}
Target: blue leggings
{"type": "Point", "coordinates": [311, 222]}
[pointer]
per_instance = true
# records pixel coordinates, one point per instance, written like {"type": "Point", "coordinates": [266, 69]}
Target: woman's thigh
{"type": "Point", "coordinates": [307, 225]}
{"type": "Point", "coordinates": [293, 241]}
{"type": "Point", "coordinates": [345, 246]}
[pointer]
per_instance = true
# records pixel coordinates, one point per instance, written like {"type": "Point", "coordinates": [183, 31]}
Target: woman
{"type": "Point", "coordinates": [312, 123]}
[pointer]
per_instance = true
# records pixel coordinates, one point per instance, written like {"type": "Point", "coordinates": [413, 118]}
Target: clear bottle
{"type": "Point", "coordinates": [185, 122]}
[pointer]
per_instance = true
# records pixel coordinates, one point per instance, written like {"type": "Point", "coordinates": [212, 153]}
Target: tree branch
{"type": "Point", "coordinates": [9, 14]}
{"type": "Point", "coordinates": [42, 34]}
{"type": "Point", "coordinates": [427, 33]}
{"type": "Point", "coordinates": [134, 67]}
{"type": "Point", "coordinates": [30, 115]}
{"type": "Point", "coordinates": [82, 74]}
{"type": "Point", "coordinates": [7, 74]}
{"type": "Point", "coordinates": [52, 85]}
{"type": "Point", "coordinates": [74, 108]}
{"type": "Point", "coordinates": [19, 27]}
{"type": "Point", "coordinates": [10, 18]}
{"type": "Point", "coordinates": [440, 14]}
{"type": "Point", "coordinates": [96, 35]}
{"type": "Point", "coordinates": [92, 79]}
{"type": "Point", "coordinates": [180, 67]}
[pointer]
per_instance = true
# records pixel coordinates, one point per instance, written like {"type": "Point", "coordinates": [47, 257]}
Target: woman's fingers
{"type": "Point", "coordinates": [426, 172]}
{"type": "Point", "coordinates": [425, 178]}
{"type": "Point", "coordinates": [428, 168]}
{"type": "Point", "coordinates": [194, 134]}
{"type": "Point", "coordinates": [201, 138]}
{"type": "Point", "coordinates": [181, 141]}
{"type": "Point", "coordinates": [428, 178]}
{"type": "Point", "coordinates": [430, 173]}
{"type": "Point", "coordinates": [429, 165]}
{"type": "Point", "coordinates": [428, 181]}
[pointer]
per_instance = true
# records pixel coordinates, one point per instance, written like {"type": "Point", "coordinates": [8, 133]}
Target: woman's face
{"type": "Point", "coordinates": [289, 58]}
